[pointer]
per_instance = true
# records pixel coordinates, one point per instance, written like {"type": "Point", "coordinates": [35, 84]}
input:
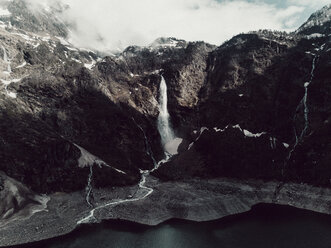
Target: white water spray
{"type": "Point", "coordinates": [169, 141]}
{"type": "Point", "coordinates": [8, 71]}
{"type": "Point", "coordinates": [163, 120]}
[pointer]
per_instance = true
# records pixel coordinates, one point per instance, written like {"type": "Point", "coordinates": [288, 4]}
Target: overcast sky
{"type": "Point", "coordinates": [111, 24]}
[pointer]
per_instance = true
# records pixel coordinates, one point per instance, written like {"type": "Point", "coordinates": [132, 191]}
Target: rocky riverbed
{"type": "Point", "coordinates": [198, 200]}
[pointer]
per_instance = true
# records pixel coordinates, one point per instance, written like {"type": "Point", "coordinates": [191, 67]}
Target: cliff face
{"type": "Point", "coordinates": [243, 109]}
{"type": "Point", "coordinates": [257, 81]}
{"type": "Point", "coordinates": [318, 23]}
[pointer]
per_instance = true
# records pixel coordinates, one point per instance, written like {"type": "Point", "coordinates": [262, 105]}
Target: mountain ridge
{"type": "Point", "coordinates": [131, 74]}
{"type": "Point", "coordinates": [256, 107]}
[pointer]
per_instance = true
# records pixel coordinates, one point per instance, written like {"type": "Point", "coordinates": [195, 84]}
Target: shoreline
{"type": "Point", "coordinates": [192, 200]}
{"type": "Point", "coordinates": [129, 226]}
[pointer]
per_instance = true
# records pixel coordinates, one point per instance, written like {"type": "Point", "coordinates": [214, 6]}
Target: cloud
{"type": "Point", "coordinates": [115, 24]}
{"type": "Point", "coordinates": [309, 3]}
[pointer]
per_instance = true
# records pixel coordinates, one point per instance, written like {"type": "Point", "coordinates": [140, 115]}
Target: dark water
{"type": "Point", "coordinates": [265, 226]}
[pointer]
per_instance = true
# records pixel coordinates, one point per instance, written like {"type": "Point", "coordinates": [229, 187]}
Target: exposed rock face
{"type": "Point", "coordinates": [55, 97]}
{"type": "Point", "coordinates": [36, 20]}
{"type": "Point", "coordinates": [318, 23]}
{"type": "Point", "coordinates": [231, 152]}
{"type": "Point", "coordinates": [257, 81]}
{"type": "Point", "coordinates": [58, 102]}
{"type": "Point", "coordinates": [258, 106]}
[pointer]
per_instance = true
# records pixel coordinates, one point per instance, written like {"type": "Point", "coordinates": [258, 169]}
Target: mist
{"type": "Point", "coordinates": [110, 25]}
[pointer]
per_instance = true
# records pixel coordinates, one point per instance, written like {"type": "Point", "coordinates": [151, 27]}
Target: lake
{"type": "Point", "coordinates": [264, 226]}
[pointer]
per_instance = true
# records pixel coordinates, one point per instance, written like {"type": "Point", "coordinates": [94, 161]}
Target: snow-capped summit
{"type": "Point", "coordinates": [318, 23]}
{"type": "Point", "coordinates": [18, 14]}
{"type": "Point", "coordinates": [168, 42]}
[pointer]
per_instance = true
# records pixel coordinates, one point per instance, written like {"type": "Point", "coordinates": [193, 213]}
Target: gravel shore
{"type": "Point", "coordinates": [197, 200]}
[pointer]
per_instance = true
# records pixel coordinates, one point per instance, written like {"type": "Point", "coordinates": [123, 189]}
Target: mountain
{"type": "Point", "coordinates": [256, 107]}
{"type": "Point", "coordinates": [318, 23]}
{"type": "Point", "coordinates": [258, 114]}
{"type": "Point", "coordinates": [18, 15]}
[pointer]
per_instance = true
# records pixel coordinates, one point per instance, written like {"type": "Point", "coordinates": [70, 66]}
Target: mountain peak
{"type": "Point", "coordinates": [18, 14]}
{"type": "Point", "coordinates": [318, 23]}
{"type": "Point", "coordinates": [168, 42]}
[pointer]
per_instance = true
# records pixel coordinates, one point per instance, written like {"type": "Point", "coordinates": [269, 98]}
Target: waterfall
{"type": "Point", "coordinates": [163, 121]}
{"type": "Point", "coordinates": [306, 109]}
{"type": "Point", "coordinates": [170, 145]}
{"type": "Point", "coordinates": [303, 102]}
{"type": "Point", "coordinates": [89, 187]}
{"type": "Point", "coordinates": [148, 148]}
{"type": "Point", "coordinates": [7, 81]}
{"type": "Point", "coordinates": [5, 58]}
{"type": "Point", "coordinates": [169, 141]}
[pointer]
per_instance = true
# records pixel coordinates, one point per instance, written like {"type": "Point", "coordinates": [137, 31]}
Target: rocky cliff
{"type": "Point", "coordinates": [258, 106]}
{"type": "Point", "coordinates": [266, 100]}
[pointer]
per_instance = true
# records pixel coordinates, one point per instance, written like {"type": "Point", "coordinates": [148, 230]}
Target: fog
{"type": "Point", "coordinates": [108, 25]}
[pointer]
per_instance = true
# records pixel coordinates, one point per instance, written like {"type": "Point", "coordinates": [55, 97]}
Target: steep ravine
{"type": "Point", "coordinates": [170, 145]}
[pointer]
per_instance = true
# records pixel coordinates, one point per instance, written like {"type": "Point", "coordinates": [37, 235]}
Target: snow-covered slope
{"type": "Point", "coordinates": [319, 23]}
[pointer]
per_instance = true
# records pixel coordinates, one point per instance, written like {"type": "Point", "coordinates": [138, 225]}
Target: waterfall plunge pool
{"type": "Point", "coordinates": [266, 225]}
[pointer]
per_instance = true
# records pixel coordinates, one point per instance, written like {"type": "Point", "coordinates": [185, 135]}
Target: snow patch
{"type": "Point", "coordinates": [6, 82]}
{"type": "Point", "coordinates": [248, 133]}
{"type": "Point", "coordinates": [310, 53]}
{"type": "Point", "coordinates": [63, 41]}
{"type": "Point", "coordinates": [253, 135]}
{"type": "Point", "coordinates": [21, 65]}
{"type": "Point", "coordinates": [90, 66]}
{"type": "Point", "coordinates": [45, 38]}
{"type": "Point", "coordinates": [36, 45]}
{"type": "Point", "coordinates": [4, 12]}
{"type": "Point", "coordinates": [87, 159]}
{"type": "Point", "coordinates": [244, 131]}
{"type": "Point", "coordinates": [76, 60]}
{"type": "Point", "coordinates": [72, 48]}
{"type": "Point", "coordinates": [200, 133]}
{"type": "Point", "coordinates": [165, 43]}
{"type": "Point", "coordinates": [315, 35]}
{"type": "Point", "coordinates": [219, 129]}
{"type": "Point", "coordinates": [12, 94]}
{"type": "Point", "coordinates": [24, 36]}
